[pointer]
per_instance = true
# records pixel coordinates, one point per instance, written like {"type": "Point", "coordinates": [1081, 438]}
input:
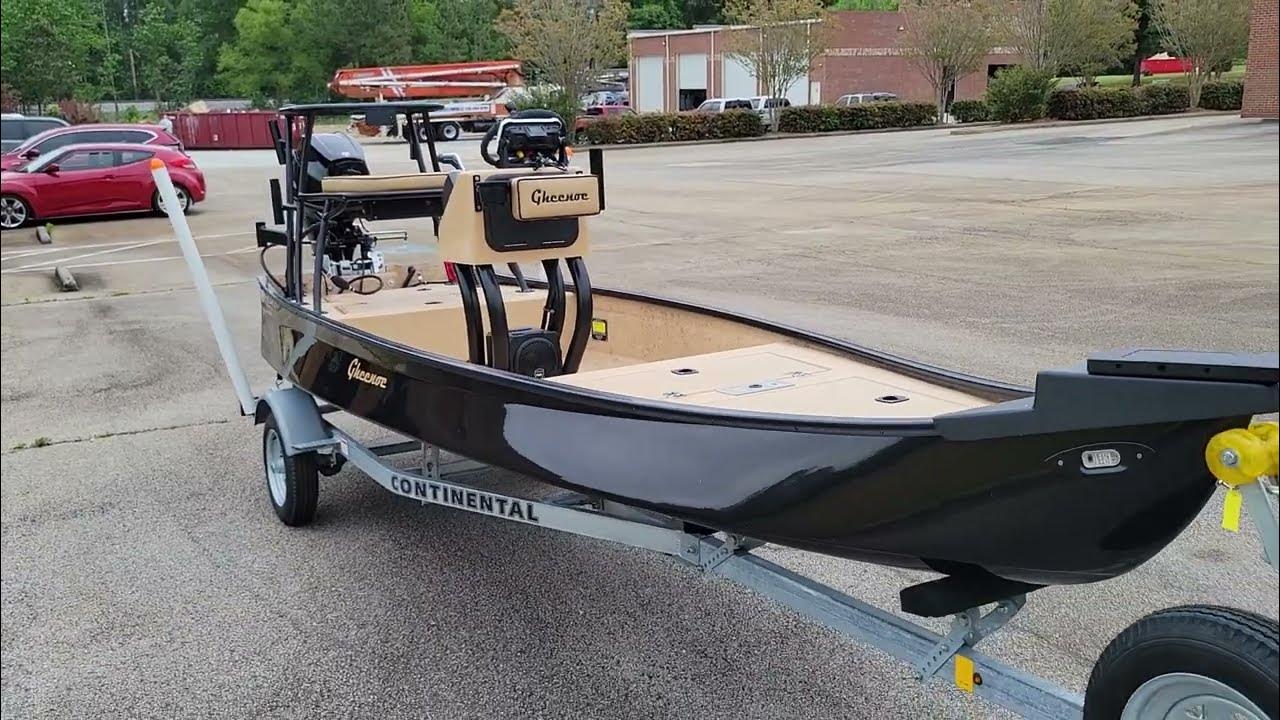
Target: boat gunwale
{"type": "Point", "coordinates": [630, 406]}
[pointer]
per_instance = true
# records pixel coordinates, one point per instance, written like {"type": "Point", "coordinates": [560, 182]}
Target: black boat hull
{"type": "Point", "coordinates": [1022, 507]}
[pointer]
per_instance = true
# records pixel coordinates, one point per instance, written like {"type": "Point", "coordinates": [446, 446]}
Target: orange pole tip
{"type": "Point", "coordinates": [156, 163]}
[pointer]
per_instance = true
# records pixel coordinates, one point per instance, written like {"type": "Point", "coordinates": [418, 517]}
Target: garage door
{"type": "Point", "coordinates": [738, 79]}
{"type": "Point", "coordinates": [648, 84]}
{"type": "Point", "coordinates": [693, 72]}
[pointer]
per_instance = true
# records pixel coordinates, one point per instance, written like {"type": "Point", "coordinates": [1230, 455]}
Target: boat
{"type": "Point", "coordinates": [726, 421]}
{"type": "Point", "coordinates": [703, 434]}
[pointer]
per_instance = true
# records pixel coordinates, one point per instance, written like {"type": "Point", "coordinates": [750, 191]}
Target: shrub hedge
{"type": "Point", "coordinates": [1019, 93]}
{"type": "Point", "coordinates": [1222, 95]}
{"type": "Point", "coordinates": [869, 116]}
{"type": "Point", "coordinates": [1094, 103]}
{"type": "Point", "coordinates": [670, 127]}
{"type": "Point", "coordinates": [1163, 99]}
{"type": "Point", "coordinates": [967, 111]}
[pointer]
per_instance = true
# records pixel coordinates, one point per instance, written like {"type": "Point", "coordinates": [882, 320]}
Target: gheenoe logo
{"type": "Point", "coordinates": [540, 196]}
{"type": "Point", "coordinates": [355, 372]}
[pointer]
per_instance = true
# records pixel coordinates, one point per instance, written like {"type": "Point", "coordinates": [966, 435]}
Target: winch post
{"type": "Point", "coordinates": [204, 288]}
{"type": "Point", "coordinates": [1264, 519]}
{"type": "Point", "coordinates": [1247, 463]}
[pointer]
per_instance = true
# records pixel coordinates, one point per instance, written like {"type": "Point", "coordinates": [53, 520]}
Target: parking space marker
{"type": "Point", "coordinates": [67, 261]}
{"type": "Point", "coordinates": [19, 254]}
{"type": "Point", "coordinates": [31, 269]}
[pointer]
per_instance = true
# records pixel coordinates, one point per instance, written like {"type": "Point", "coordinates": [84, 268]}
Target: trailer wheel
{"type": "Point", "coordinates": [1195, 661]}
{"type": "Point", "coordinates": [449, 131]}
{"type": "Point", "coordinates": [293, 483]}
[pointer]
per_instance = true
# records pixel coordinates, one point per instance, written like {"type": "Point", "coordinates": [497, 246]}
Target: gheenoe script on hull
{"type": "Point", "coordinates": [355, 372]}
{"type": "Point", "coordinates": [540, 196]}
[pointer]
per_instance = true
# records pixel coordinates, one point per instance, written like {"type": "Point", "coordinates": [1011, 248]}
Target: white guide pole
{"type": "Point", "coordinates": [208, 301]}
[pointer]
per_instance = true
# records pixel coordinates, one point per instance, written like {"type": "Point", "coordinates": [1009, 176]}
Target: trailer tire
{"type": "Point", "coordinates": [293, 481]}
{"type": "Point", "coordinates": [449, 131]}
{"type": "Point", "coordinates": [1176, 660]}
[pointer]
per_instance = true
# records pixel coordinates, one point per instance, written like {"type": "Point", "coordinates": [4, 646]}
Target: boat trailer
{"type": "Point", "coordinates": [1244, 461]}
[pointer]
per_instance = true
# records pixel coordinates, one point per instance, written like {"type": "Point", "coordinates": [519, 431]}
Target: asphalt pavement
{"type": "Point", "coordinates": [144, 574]}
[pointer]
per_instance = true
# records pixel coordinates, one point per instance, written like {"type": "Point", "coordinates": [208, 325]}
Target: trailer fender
{"type": "Point", "coordinates": [301, 426]}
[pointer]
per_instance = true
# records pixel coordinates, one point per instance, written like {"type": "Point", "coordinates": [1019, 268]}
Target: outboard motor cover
{"type": "Point", "coordinates": [333, 154]}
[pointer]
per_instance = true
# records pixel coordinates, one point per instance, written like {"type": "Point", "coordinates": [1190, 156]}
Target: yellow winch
{"type": "Point", "coordinates": [1238, 456]}
{"type": "Point", "coordinates": [1240, 459]}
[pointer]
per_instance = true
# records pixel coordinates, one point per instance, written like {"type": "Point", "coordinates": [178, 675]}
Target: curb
{"type": "Point", "coordinates": [761, 138]}
{"type": "Point", "coordinates": [65, 281]}
{"type": "Point", "coordinates": [996, 127]}
{"type": "Point", "coordinates": [42, 235]}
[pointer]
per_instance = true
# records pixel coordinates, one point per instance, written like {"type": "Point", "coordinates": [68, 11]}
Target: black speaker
{"type": "Point", "coordinates": [533, 352]}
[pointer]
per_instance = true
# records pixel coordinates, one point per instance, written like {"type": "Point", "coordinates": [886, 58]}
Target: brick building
{"type": "Point", "coordinates": [1261, 84]}
{"type": "Point", "coordinates": [677, 69]}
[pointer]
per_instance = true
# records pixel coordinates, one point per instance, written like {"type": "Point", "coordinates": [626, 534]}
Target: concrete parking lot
{"type": "Point", "coordinates": [145, 575]}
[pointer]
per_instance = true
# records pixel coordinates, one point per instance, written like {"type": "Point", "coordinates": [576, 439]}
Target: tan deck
{"type": "Point", "coordinates": [778, 377]}
{"type": "Point", "coordinates": [429, 316]}
{"type": "Point", "coordinates": [733, 366]}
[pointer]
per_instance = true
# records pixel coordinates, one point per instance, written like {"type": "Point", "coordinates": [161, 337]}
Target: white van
{"type": "Point", "coordinates": [715, 105]}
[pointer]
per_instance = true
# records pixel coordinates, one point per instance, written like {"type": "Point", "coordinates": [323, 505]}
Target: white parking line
{"type": "Point", "coordinates": [65, 261]}
{"type": "Point", "coordinates": [31, 269]}
{"type": "Point", "coordinates": [19, 254]}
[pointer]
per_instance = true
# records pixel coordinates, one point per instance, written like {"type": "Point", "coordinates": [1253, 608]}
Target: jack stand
{"type": "Point", "coordinates": [967, 629]}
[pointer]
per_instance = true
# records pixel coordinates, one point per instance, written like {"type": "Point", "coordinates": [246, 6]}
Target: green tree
{"type": "Point", "coordinates": [655, 15]}
{"type": "Point", "coordinates": [1146, 39]}
{"type": "Point", "coordinates": [566, 41]}
{"type": "Point", "coordinates": [457, 31]}
{"type": "Point", "coordinates": [259, 63]}
{"type": "Point", "coordinates": [332, 34]}
{"type": "Point", "coordinates": [216, 22]}
{"type": "Point", "coordinates": [948, 39]}
{"type": "Point", "coordinates": [786, 37]}
{"type": "Point", "coordinates": [703, 12]}
{"type": "Point", "coordinates": [1079, 36]}
{"type": "Point", "coordinates": [47, 49]}
{"type": "Point", "coordinates": [168, 49]}
{"type": "Point", "coordinates": [1208, 33]}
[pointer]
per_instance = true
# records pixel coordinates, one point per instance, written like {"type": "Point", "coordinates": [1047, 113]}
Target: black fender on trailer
{"type": "Point", "coordinates": [301, 426]}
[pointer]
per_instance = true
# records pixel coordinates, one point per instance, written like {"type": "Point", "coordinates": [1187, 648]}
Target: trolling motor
{"type": "Point", "coordinates": [528, 139]}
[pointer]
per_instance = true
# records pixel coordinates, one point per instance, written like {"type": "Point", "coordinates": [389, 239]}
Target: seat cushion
{"type": "Point", "coordinates": [356, 184]}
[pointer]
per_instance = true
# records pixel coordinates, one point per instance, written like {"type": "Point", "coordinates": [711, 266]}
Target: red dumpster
{"type": "Point", "coordinates": [1164, 64]}
{"type": "Point", "coordinates": [223, 130]}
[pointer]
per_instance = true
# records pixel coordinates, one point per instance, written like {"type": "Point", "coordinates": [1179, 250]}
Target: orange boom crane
{"type": "Point", "coordinates": [481, 88]}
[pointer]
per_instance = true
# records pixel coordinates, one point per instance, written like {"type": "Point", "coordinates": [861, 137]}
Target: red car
{"type": "Point", "coordinates": [595, 112]}
{"type": "Point", "coordinates": [52, 139]}
{"type": "Point", "coordinates": [92, 180]}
